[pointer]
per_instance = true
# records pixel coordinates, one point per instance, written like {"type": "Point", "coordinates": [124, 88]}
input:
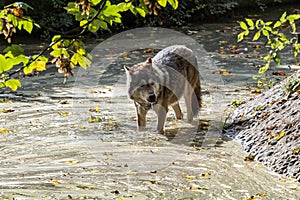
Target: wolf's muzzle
{"type": "Point", "coordinates": [151, 98]}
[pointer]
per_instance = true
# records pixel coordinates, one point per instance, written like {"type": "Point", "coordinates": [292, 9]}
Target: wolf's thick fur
{"type": "Point", "coordinates": [162, 81]}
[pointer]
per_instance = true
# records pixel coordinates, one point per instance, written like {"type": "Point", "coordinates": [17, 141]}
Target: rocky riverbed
{"type": "Point", "coordinates": [268, 127]}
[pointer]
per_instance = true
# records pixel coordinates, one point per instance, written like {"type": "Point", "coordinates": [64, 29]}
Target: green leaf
{"type": "Point", "coordinates": [124, 6]}
{"type": "Point", "coordinates": [256, 36]}
{"type": "Point", "coordinates": [276, 58]}
{"type": "Point", "coordinates": [141, 11]}
{"type": "Point", "coordinates": [277, 24]}
{"type": "Point", "coordinates": [12, 19]}
{"type": "Point", "coordinates": [28, 26]}
{"type": "Point", "coordinates": [241, 36]}
{"type": "Point", "coordinates": [293, 17]}
{"type": "Point", "coordinates": [243, 25]}
{"type": "Point", "coordinates": [14, 49]}
{"type": "Point", "coordinates": [83, 61]}
{"type": "Point", "coordinates": [55, 38]}
{"type": "Point", "coordinates": [2, 63]}
{"type": "Point", "coordinates": [173, 3]}
{"type": "Point", "coordinates": [95, 2]}
{"type": "Point", "coordinates": [103, 25]}
{"type": "Point", "coordinates": [83, 22]}
{"type": "Point", "coordinates": [283, 17]}
{"type": "Point", "coordinates": [266, 33]}
{"type": "Point", "coordinates": [163, 3]}
{"type": "Point", "coordinates": [112, 10]}
{"type": "Point", "coordinates": [249, 22]}
{"type": "Point", "coordinates": [268, 23]}
{"type": "Point", "coordinates": [94, 26]}
{"type": "Point", "coordinates": [13, 84]}
{"type": "Point", "coordinates": [264, 68]}
{"type": "Point", "coordinates": [11, 62]}
{"type": "Point", "coordinates": [59, 52]}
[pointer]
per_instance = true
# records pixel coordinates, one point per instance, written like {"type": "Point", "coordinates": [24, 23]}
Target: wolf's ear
{"type": "Point", "coordinates": [149, 60]}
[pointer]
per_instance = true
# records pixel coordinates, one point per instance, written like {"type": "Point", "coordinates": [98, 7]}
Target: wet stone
{"type": "Point", "coordinates": [254, 135]}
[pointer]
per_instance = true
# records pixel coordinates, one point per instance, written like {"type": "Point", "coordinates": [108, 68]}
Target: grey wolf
{"type": "Point", "coordinates": [161, 81]}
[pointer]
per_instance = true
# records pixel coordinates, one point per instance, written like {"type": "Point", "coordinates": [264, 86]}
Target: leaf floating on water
{"type": "Point", "coordinates": [55, 181]}
{"type": "Point", "coordinates": [206, 175]}
{"type": "Point", "coordinates": [72, 162]}
{"type": "Point", "coordinates": [97, 109]}
{"type": "Point", "coordinates": [196, 188]}
{"type": "Point", "coordinates": [5, 130]}
{"type": "Point", "coordinates": [261, 194]}
{"type": "Point", "coordinates": [94, 119]}
{"type": "Point", "coordinates": [188, 177]}
{"type": "Point", "coordinates": [84, 187]}
{"type": "Point", "coordinates": [64, 113]}
{"type": "Point", "coordinates": [7, 111]}
{"type": "Point", "coordinates": [257, 91]}
{"type": "Point", "coordinates": [63, 101]}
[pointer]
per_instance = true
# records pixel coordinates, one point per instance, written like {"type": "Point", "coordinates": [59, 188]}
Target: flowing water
{"type": "Point", "coordinates": [79, 140]}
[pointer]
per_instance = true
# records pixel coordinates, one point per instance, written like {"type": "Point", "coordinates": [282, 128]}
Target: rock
{"type": "Point", "coordinates": [270, 129]}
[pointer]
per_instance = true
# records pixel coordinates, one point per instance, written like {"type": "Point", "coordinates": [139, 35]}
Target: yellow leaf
{"type": "Point", "coordinates": [205, 175]}
{"type": "Point", "coordinates": [72, 162]}
{"type": "Point", "coordinates": [261, 194]}
{"type": "Point", "coordinates": [55, 181]}
{"type": "Point", "coordinates": [280, 135]}
{"type": "Point", "coordinates": [64, 113]}
{"type": "Point", "coordinates": [5, 130]}
{"type": "Point", "coordinates": [7, 111]}
{"type": "Point", "coordinates": [297, 150]}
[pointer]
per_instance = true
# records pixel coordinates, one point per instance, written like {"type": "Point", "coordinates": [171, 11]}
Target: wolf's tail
{"type": "Point", "coordinates": [196, 98]}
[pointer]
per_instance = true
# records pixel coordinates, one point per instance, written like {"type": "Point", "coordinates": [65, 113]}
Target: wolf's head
{"type": "Point", "coordinates": [142, 83]}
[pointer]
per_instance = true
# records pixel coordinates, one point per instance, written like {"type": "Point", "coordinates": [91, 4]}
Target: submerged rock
{"type": "Point", "coordinates": [269, 127]}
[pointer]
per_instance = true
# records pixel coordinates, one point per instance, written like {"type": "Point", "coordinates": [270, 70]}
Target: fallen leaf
{"type": "Point", "coordinates": [55, 181]}
{"type": "Point", "coordinates": [261, 194]}
{"type": "Point", "coordinates": [280, 135]}
{"type": "Point", "coordinates": [64, 113]}
{"type": "Point", "coordinates": [256, 91]}
{"type": "Point", "coordinates": [296, 151]}
{"type": "Point", "coordinates": [233, 47]}
{"type": "Point", "coordinates": [205, 175]}
{"type": "Point", "coordinates": [63, 101]}
{"type": "Point", "coordinates": [97, 109]}
{"type": "Point", "coordinates": [278, 73]}
{"type": "Point", "coordinates": [72, 162]}
{"type": "Point", "coordinates": [148, 50]}
{"type": "Point", "coordinates": [5, 130]}
{"type": "Point", "coordinates": [257, 46]}
{"type": "Point", "coordinates": [249, 157]}
{"type": "Point", "coordinates": [7, 111]}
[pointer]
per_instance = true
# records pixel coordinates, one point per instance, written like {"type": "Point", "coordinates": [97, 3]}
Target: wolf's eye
{"type": "Point", "coordinates": [151, 84]}
{"type": "Point", "coordinates": [142, 86]}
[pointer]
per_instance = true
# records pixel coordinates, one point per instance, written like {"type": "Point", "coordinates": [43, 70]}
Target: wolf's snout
{"type": "Point", "coordinates": [151, 98]}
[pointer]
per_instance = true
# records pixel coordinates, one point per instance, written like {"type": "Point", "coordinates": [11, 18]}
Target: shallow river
{"type": "Point", "coordinates": [79, 141]}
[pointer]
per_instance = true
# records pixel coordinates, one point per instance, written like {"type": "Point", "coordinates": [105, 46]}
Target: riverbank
{"type": "Point", "coordinates": [268, 128]}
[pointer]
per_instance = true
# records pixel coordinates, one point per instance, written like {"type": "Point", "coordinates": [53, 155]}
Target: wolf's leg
{"type": "Point", "coordinates": [161, 112]}
{"type": "Point", "coordinates": [177, 110]}
{"type": "Point", "coordinates": [188, 102]}
{"type": "Point", "coordinates": [141, 117]}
